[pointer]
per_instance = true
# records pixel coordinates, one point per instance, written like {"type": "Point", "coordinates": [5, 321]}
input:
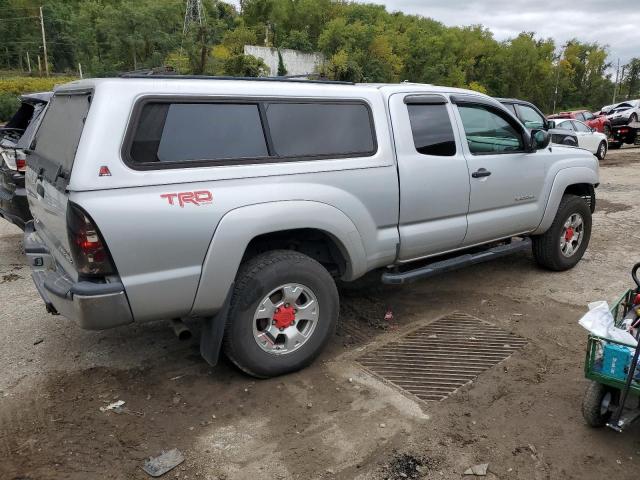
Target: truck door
{"type": "Point", "coordinates": [506, 181]}
{"type": "Point", "coordinates": [434, 178]}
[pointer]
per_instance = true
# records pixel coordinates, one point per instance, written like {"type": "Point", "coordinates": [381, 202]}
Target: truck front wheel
{"type": "Point", "coordinates": [283, 312]}
{"type": "Point", "coordinates": [563, 245]}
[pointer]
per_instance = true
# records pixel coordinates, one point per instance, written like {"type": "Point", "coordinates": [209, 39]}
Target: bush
{"type": "Point", "coordinates": [245, 66]}
{"type": "Point", "coordinates": [20, 85]}
{"type": "Point", "coordinates": [9, 104]}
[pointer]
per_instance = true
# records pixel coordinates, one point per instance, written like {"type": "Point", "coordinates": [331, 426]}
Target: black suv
{"type": "Point", "coordinates": [532, 117]}
{"type": "Point", "coordinates": [15, 139]}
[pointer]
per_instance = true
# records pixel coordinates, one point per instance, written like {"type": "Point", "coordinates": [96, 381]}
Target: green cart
{"type": "Point", "coordinates": [607, 398]}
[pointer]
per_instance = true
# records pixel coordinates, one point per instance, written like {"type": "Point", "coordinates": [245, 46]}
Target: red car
{"type": "Point", "coordinates": [600, 122]}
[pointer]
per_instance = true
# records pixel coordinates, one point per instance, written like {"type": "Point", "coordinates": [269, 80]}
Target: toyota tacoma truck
{"type": "Point", "coordinates": [242, 202]}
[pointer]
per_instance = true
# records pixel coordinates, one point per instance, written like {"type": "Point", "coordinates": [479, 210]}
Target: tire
{"type": "Point", "coordinates": [615, 145]}
{"type": "Point", "coordinates": [596, 404]}
{"type": "Point", "coordinates": [548, 249]}
{"type": "Point", "coordinates": [266, 277]}
{"type": "Point", "coordinates": [633, 118]}
{"type": "Point", "coordinates": [607, 130]}
{"type": "Point", "coordinates": [602, 150]}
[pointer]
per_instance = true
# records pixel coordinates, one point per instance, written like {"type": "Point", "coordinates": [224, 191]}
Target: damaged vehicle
{"type": "Point", "coordinates": [241, 202]}
{"type": "Point", "coordinates": [15, 140]}
{"type": "Point", "coordinates": [625, 113]}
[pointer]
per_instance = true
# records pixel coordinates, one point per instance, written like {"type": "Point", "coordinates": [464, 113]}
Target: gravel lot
{"type": "Point", "coordinates": [522, 416]}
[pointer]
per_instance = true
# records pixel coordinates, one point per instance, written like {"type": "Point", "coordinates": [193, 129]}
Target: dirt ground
{"type": "Point", "coordinates": [332, 420]}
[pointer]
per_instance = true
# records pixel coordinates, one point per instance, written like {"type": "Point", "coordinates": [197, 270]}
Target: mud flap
{"type": "Point", "coordinates": [213, 331]}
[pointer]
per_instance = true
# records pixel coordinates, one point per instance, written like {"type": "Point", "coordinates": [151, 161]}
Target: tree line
{"type": "Point", "coordinates": [361, 43]}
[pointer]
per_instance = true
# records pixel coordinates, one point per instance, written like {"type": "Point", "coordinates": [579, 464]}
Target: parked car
{"type": "Point", "coordinates": [15, 138]}
{"type": "Point", "coordinates": [532, 117]}
{"type": "Point", "coordinates": [242, 201]}
{"type": "Point", "coordinates": [605, 110]}
{"type": "Point", "coordinates": [601, 123]}
{"type": "Point", "coordinates": [588, 138]}
{"type": "Point", "coordinates": [625, 113]}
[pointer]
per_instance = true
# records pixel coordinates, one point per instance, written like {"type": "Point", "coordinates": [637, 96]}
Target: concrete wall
{"type": "Point", "coordinates": [296, 62]}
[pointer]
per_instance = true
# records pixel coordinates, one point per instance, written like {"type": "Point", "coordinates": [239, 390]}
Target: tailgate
{"type": "Point", "coordinates": [49, 170]}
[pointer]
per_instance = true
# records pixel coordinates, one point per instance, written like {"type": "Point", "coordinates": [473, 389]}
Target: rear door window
{"type": "Point", "coordinates": [567, 125]}
{"type": "Point", "coordinates": [320, 129]}
{"type": "Point", "coordinates": [581, 127]}
{"type": "Point", "coordinates": [432, 130]}
{"type": "Point", "coordinates": [59, 134]}
{"type": "Point", "coordinates": [184, 132]}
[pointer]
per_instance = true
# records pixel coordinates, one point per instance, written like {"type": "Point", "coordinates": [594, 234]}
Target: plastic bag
{"type": "Point", "coordinates": [599, 321]}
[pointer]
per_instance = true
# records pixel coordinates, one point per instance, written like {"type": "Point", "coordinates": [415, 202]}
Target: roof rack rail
{"type": "Point", "coordinates": [293, 78]}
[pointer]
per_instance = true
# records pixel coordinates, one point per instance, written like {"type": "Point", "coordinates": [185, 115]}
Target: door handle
{"type": "Point", "coordinates": [482, 172]}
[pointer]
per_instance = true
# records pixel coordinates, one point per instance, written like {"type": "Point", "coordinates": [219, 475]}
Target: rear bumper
{"type": "Point", "coordinates": [93, 306]}
{"type": "Point", "coordinates": [14, 206]}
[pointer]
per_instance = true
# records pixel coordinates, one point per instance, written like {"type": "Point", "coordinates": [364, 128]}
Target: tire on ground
{"type": "Point", "coordinates": [255, 280]}
{"type": "Point", "coordinates": [592, 405]}
{"type": "Point", "coordinates": [546, 247]}
{"type": "Point", "coordinates": [602, 150]}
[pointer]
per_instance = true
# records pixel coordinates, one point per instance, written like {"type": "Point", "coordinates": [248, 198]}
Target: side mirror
{"type": "Point", "coordinates": [539, 139]}
{"type": "Point", "coordinates": [551, 124]}
{"type": "Point", "coordinates": [592, 129]}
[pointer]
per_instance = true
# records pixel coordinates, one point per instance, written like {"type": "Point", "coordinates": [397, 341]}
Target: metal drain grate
{"type": "Point", "coordinates": [437, 359]}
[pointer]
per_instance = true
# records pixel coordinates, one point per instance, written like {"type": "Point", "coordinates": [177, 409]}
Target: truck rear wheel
{"type": "Point", "coordinates": [283, 312]}
{"type": "Point", "coordinates": [563, 245]}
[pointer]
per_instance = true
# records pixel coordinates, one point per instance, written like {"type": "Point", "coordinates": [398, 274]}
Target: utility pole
{"type": "Point", "coordinates": [44, 44]}
{"type": "Point", "coordinates": [194, 15]}
{"type": "Point", "coordinates": [555, 95]}
{"type": "Point", "coordinates": [615, 86]}
{"type": "Point", "coordinates": [39, 66]}
{"type": "Point", "coordinates": [28, 62]}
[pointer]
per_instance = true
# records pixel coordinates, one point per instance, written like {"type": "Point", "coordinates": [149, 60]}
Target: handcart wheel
{"type": "Point", "coordinates": [634, 274]}
{"type": "Point", "coordinates": [597, 404]}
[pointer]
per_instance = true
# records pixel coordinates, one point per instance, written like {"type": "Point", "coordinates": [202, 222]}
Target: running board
{"type": "Point", "coordinates": [432, 269]}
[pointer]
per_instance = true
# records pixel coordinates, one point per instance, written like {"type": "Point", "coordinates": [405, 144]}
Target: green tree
{"type": "Point", "coordinates": [282, 70]}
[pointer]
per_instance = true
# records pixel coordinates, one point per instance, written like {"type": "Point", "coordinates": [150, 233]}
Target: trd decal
{"type": "Point", "coordinates": [201, 197]}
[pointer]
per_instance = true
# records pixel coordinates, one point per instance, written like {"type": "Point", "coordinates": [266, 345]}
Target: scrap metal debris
{"type": "Point", "coordinates": [477, 470]}
{"type": "Point", "coordinates": [113, 407]}
{"type": "Point", "coordinates": [166, 461]}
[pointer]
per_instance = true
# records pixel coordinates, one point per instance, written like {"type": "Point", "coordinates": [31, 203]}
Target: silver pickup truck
{"type": "Point", "coordinates": [242, 202]}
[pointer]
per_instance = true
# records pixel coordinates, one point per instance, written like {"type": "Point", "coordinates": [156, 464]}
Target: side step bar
{"type": "Point", "coordinates": [432, 269]}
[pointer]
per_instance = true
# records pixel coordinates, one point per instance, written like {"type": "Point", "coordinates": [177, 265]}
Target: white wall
{"type": "Point", "coordinates": [296, 62]}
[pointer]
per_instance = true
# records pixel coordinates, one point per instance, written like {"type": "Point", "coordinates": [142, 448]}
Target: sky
{"type": "Point", "coordinates": [613, 23]}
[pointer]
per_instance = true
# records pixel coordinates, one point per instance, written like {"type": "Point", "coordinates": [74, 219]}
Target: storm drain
{"type": "Point", "coordinates": [435, 360]}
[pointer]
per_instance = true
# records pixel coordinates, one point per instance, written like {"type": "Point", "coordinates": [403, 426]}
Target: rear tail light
{"type": "Point", "coordinates": [88, 249]}
{"type": "Point", "coordinates": [21, 161]}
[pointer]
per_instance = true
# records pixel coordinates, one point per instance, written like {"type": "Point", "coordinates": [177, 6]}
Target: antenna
{"type": "Point", "coordinates": [194, 14]}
